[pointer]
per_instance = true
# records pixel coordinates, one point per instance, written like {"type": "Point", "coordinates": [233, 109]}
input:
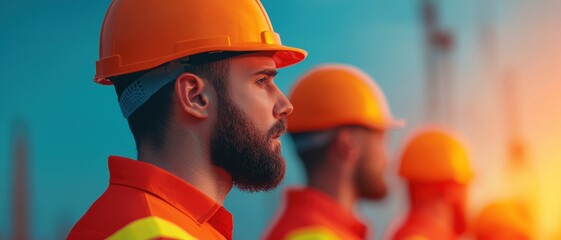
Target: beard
{"type": "Point", "coordinates": [371, 186]}
{"type": "Point", "coordinates": [370, 175]}
{"type": "Point", "coordinates": [244, 152]}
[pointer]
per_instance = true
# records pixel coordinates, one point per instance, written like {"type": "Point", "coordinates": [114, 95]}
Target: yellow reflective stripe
{"type": "Point", "coordinates": [312, 233]}
{"type": "Point", "coordinates": [149, 228]}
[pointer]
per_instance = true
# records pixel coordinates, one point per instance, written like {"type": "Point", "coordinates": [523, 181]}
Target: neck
{"type": "Point", "coordinates": [336, 186]}
{"type": "Point", "coordinates": [433, 213]}
{"type": "Point", "coordinates": [186, 157]}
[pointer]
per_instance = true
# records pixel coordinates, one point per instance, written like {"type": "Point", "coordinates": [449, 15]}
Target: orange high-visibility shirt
{"type": "Point", "coordinates": [419, 227]}
{"type": "Point", "coordinates": [311, 214]}
{"type": "Point", "coordinates": [146, 202]}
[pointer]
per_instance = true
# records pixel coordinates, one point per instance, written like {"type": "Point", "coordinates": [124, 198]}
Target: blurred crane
{"type": "Point", "coordinates": [521, 179]}
{"type": "Point", "coordinates": [439, 87]}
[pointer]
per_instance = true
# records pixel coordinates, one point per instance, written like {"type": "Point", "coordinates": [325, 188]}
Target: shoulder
{"type": "Point", "coordinates": [304, 233]}
{"type": "Point", "coordinates": [115, 209]}
{"type": "Point", "coordinates": [150, 227]}
{"type": "Point", "coordinates": [414, 237]}
{"type": "Point", "coordinates": [299, 224]}
{"type": "Point", "coordinates": [293, 221]}
{"type": "Point", "coordinates": [312, 233]}
{"type": "Point", "coordinates": [409, 232]}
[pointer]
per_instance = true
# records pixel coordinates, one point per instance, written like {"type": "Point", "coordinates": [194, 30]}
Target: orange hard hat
{"type": "Point", "coordinates": [433, 154]}
{"type": "Point", "coordinates": [142, 34]}
{"type": "Point", "coordinates": [334, 95]}
{"type": "Point", "coordinates": [503, 218]}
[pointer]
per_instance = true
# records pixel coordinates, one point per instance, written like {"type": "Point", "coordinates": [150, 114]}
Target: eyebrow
{"type": "Point", "coordinates": [268, 72]}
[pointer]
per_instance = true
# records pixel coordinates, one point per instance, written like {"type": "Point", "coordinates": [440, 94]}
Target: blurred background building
{"type": "Point", "coordinates": [491, 69]}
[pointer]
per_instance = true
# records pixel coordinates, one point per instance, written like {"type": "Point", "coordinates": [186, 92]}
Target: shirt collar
{"type": "Point", "coordinates": [173, 190]}
{"type": "Point", "coordinates": [313, 200]}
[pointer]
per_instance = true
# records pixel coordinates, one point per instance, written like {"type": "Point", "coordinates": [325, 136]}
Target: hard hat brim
{"type": "Point", "coordinates": [284, 56]}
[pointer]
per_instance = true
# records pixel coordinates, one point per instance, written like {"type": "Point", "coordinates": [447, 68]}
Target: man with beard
{"type": "Point", "coordinates": [437, 170]}
{"type": "Point", "coordinates": [195, 81]}
{"type": "Point", "coordinates": [339, 127]}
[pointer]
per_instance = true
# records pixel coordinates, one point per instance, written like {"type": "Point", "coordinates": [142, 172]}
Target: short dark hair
{"type": "Point", "coordinates": [149, 121]}
{"type": "Point", "coordinates": [311, 158]}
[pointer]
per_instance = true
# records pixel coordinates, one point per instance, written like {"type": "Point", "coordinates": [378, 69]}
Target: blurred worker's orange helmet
{"type": "Point", "coordinates": [503, 219]}
{"type": "Point", "coordinates": [432, 154]}
{"type": "Point", "coordinates": [142, 34]}
{"type": "Point", "coordinates": [334, 95]}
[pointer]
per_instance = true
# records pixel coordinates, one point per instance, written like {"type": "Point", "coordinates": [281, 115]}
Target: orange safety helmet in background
{"type": "Point", "coordinates": [336, 95]}
{"type": "Point", "coordinates": [142, 34]}
{"type": "Point", "coordinates": [432, 154]}
{"type": "Point", "coordinates": [503, 219]}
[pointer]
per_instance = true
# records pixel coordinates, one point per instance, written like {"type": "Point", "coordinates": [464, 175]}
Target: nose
{"type": "Point", "coordinates": [283, 107]}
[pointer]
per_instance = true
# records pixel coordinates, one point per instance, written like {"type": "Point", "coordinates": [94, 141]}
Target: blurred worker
{"type": "Point", "coordinates": [195, 81]}
{"type": "Point", "coordinates": [436, 168]}
{"type": "Point", "coordinates": [339, 127]}
{"type": "Point", "coordinates": [503, 220]}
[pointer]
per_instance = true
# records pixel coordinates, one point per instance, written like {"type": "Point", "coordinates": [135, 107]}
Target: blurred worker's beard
{"type": "Point", "coordinates": [371, 185]}
{"type": "Point", "coordinates": [370, 177]}
{"type": "Point", "coordinates": [244, 152]}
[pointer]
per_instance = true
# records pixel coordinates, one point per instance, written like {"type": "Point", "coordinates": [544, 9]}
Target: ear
{"type": "Point", "coordinates": [190, 90]}
{"type": "Point", "coordinates": [347, 146]}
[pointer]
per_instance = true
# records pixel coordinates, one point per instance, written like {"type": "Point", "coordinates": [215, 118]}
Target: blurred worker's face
{"type": "Point", "coordinates": [251, 118]}
{"type": "Point", "coordinates": [371, 166]}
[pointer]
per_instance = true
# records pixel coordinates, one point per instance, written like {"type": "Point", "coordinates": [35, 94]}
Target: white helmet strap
{"type": "Point", "coordinates": [144, 87]}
